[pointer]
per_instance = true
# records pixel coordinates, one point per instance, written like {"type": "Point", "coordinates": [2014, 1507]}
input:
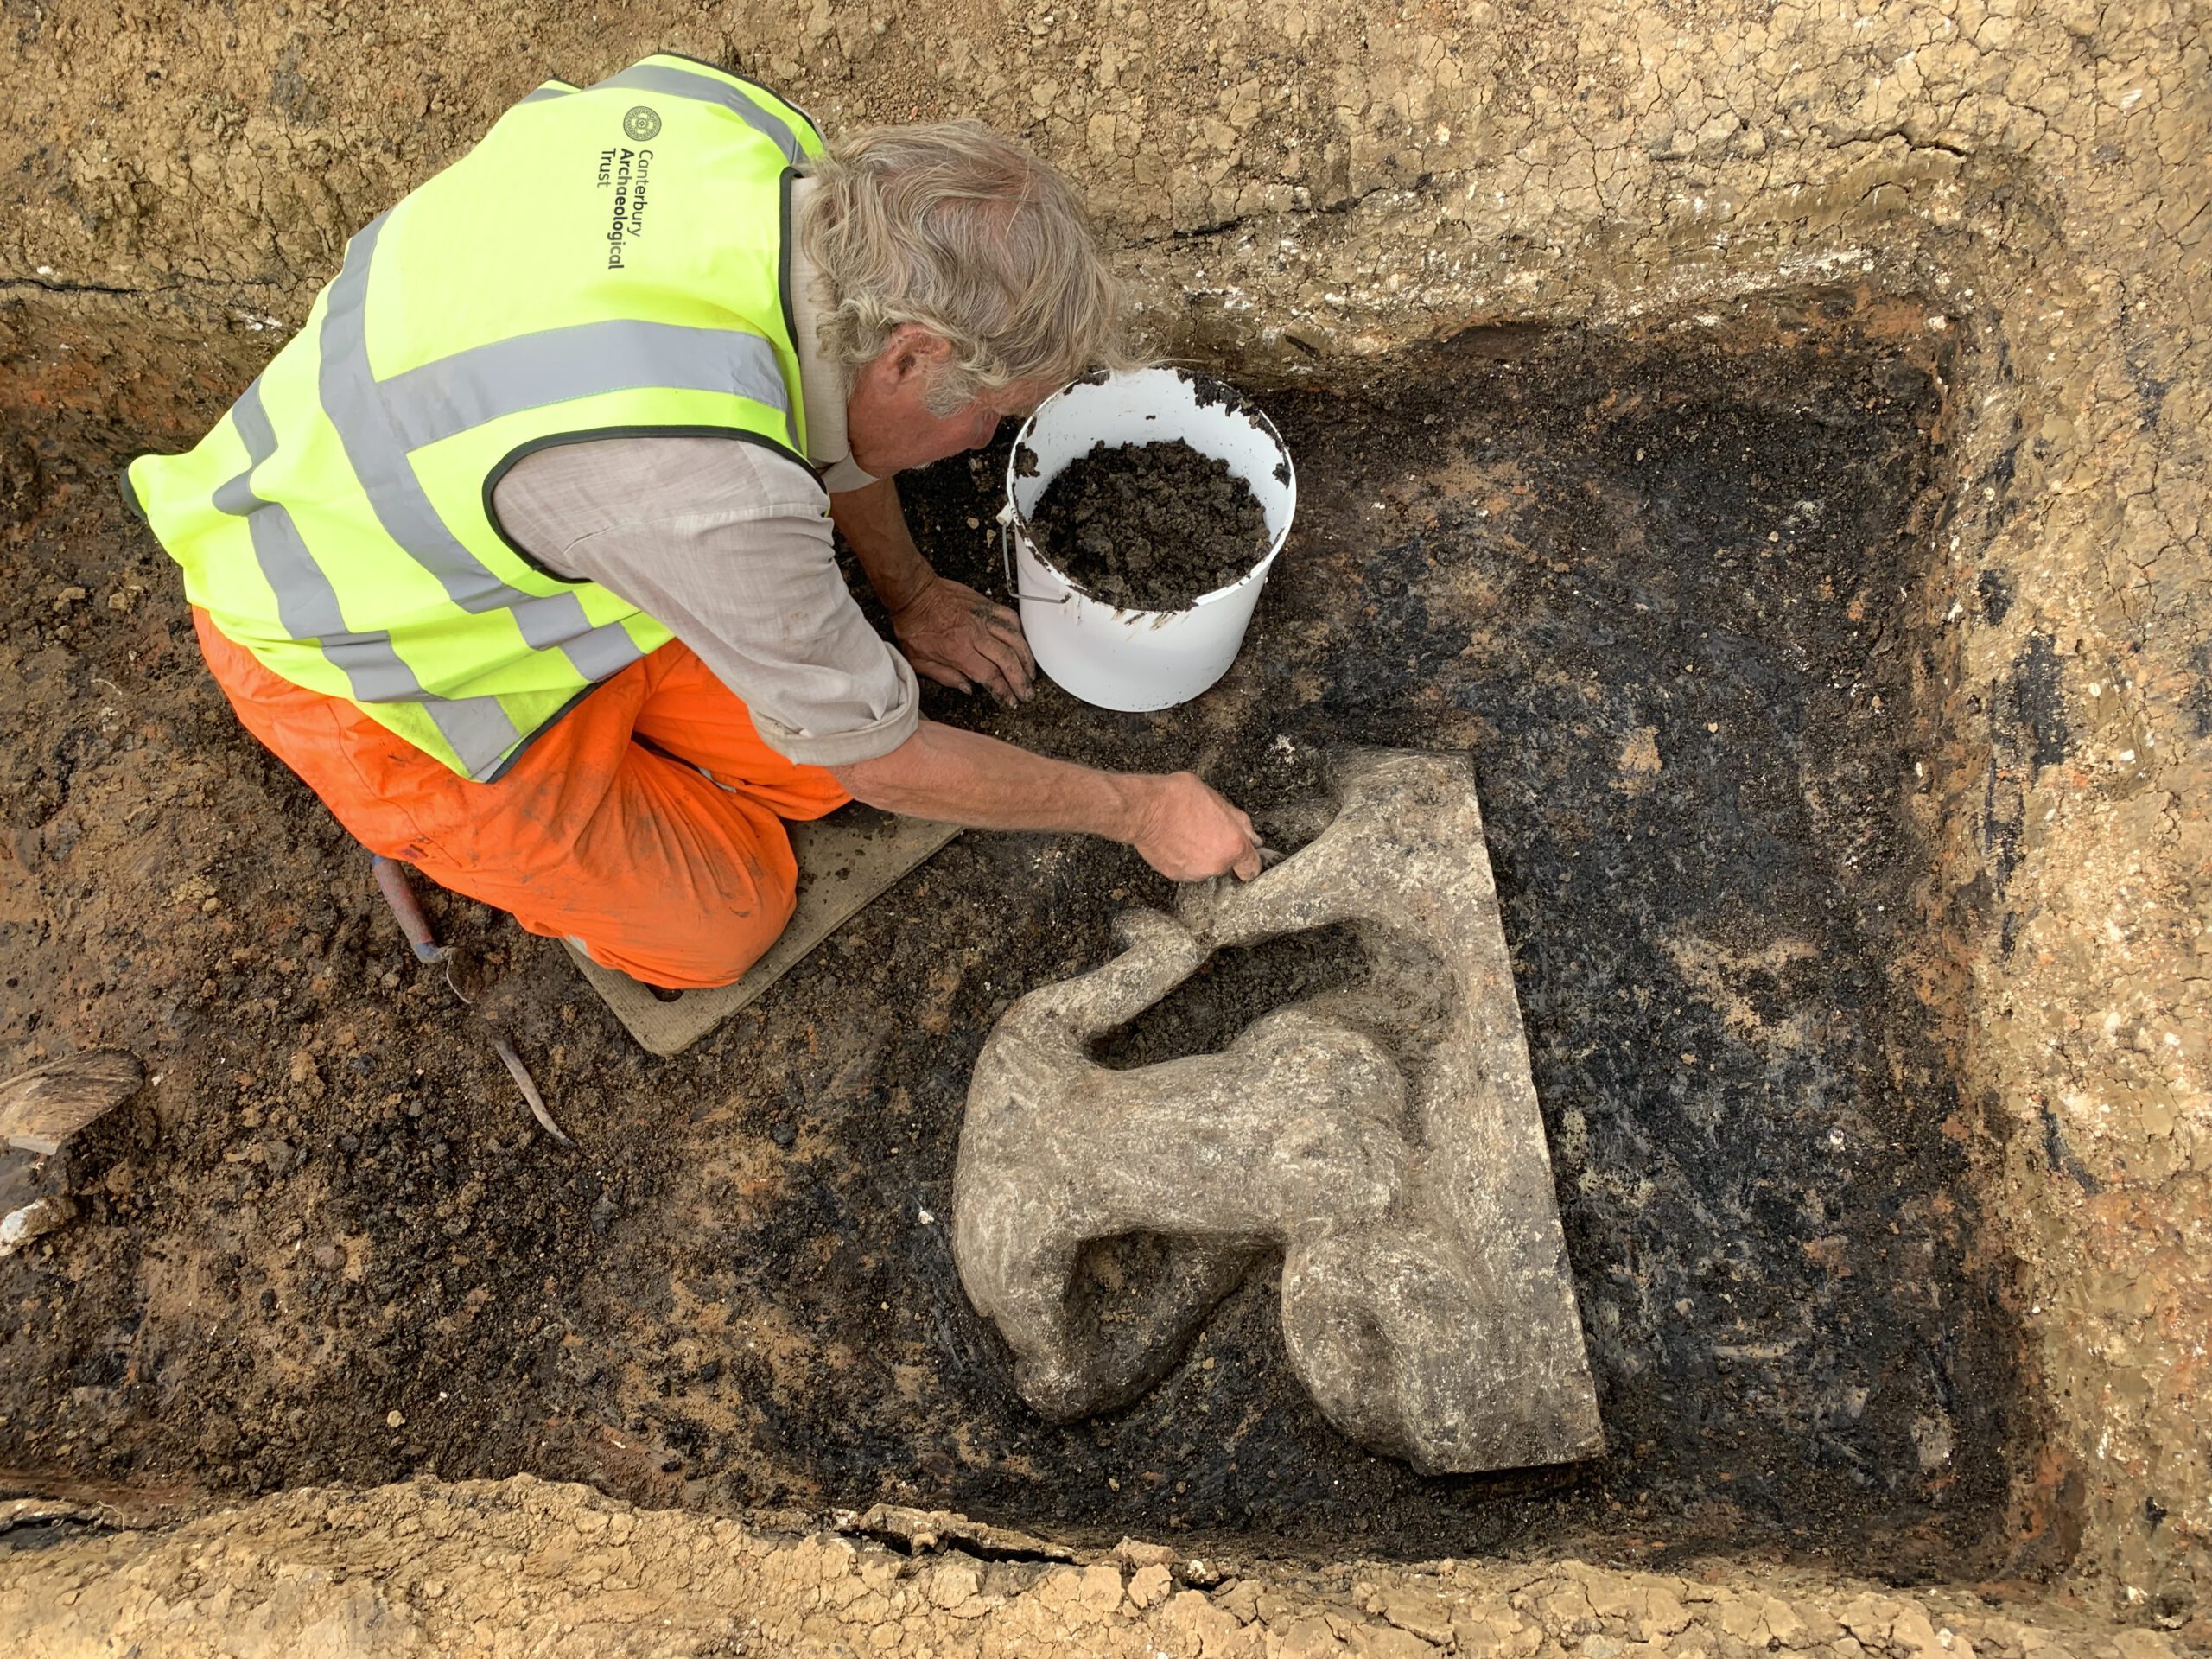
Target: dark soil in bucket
{"type": "Point", "coordinates": [1151, 526]}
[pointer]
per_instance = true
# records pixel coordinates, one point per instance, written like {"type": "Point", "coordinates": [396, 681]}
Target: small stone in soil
{"type": "Point", "coordinates": [1151, 526]}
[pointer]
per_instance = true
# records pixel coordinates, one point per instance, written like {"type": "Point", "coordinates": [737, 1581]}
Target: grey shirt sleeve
{"type": "Point", "coordinates": [727, 544]}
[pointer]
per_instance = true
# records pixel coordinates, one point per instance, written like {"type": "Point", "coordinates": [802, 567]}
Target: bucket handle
{"type": "Point", "coordinates": [1006, 516]}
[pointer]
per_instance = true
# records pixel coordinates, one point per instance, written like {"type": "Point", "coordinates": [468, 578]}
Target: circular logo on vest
{"type": "Point", "coordinates": [642, 122]}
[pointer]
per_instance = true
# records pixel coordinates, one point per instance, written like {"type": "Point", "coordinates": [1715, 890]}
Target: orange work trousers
{"type": "Point", "coordinates": [603, 831]}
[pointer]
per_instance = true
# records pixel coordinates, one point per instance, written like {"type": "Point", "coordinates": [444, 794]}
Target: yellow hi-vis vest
{"type": "Point", "coordinates": [610, 262]}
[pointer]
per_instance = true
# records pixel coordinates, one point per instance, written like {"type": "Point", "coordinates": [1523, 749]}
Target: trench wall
{"type": "Point", "coordinates": [560, 1572]}
{"type": "Point", "coordinates": [1291, 190]}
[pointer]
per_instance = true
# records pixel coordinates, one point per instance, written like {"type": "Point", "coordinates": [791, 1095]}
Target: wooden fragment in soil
{"type": "Point", "coordinates": [41, 1109]}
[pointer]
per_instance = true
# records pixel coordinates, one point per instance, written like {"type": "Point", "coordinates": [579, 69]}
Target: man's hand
{"type": "Point", "coordinates": [958, 637]}
{"type": "Point", "coordinates": [950, 632]}
{"type": "Point", "coordinates": [1189, 832]}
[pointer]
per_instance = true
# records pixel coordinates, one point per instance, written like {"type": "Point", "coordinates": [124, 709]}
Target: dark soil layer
{"type": "Point", "coordinates": [1149, 526]}
{"type": "Point", "coordinates": [1665, 588]}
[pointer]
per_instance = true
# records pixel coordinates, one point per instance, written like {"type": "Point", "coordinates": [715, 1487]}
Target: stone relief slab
{"type": "Point", "coordinates": [1384, 1137]}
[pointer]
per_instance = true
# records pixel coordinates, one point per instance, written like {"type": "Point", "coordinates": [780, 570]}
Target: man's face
{"type": "Point", "coordinates": [887, 418]}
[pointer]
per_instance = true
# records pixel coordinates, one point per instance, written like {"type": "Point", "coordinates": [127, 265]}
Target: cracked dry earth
{"type": "Point", "coordinates": [520, 1567]}
{"type": "Point", "coordinates": [1294, 195]}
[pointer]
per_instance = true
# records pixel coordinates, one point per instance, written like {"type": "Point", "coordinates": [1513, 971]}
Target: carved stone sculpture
{"type": "Point", "coordinates": [1384, 1136]}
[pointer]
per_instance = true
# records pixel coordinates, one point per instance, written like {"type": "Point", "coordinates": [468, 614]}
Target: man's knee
{"type": "Point", "coordinates": [711, 940]}
{"type": "Point", "coordinates": [741, 935]}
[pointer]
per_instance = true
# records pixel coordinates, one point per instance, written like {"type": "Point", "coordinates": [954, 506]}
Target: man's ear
{"type": "Point", "coordinates": [914, 351]}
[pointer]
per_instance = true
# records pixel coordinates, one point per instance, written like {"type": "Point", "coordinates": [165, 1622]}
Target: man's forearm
{"type": "Point", "coordinates": [959, 777]}
{"type": "Point", "coordinates": [1178, 825]}
{"type": "Point", "coordinates": [875, 528]}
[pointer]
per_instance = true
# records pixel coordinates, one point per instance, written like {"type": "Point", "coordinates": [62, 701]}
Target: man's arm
{"type": "Point", "coordinates": [1178, 825]}
{"type": "Point", "coordinates": [949, 631]}
{"type": "Point", "coordinates": [725, 543]}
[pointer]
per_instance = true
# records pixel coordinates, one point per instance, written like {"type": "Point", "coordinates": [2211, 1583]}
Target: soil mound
{"type": "Point", "coordinates": [1150, 526]}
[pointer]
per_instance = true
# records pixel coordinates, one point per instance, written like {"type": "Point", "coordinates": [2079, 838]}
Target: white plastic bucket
{"type": "Point", "coordinates": [1136, 660]}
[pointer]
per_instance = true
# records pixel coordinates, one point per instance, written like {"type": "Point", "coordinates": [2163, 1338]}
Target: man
{"type": "Point", "coordinates": [520, 553]}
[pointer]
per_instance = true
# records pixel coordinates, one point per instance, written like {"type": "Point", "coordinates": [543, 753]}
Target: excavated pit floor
{"type": "Point", "coordinates": [1658, 585]}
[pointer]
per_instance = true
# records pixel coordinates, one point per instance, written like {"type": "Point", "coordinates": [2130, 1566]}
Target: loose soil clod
{"type": "Point", "coordinates": [1151, 526]}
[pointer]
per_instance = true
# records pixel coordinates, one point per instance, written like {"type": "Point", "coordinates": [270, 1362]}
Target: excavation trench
{"type": "Point", "coordinates": [1669, 588]}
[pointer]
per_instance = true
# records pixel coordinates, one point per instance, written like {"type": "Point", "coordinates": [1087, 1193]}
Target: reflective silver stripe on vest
{"type": "Point", "coordinates": [477, 727]}
{"type": "Point", "coordinates": [542, 93]}
{"type": "Point", "coordinates": [377, 453]}
{"type": "Point", "coordinates": [442, 399]}
{"type": "Point", "coordinates": [672, 82]}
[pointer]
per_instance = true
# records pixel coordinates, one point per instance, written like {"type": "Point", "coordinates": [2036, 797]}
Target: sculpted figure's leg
{"type": "Point", "coordinates": [1406, 1345]}
{"type": "Point", "coordinates": [1396, 850]}
{"type": "Point", "coordinates": [1365, 1317]}
{"type": "Point", "coordinates": [1089, 1364]}
{"type": "Point", "coordinates": [1060, 1019]}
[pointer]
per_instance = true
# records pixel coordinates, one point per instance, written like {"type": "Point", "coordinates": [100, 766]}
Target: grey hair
{"type": "Point", "coordinates": [949, 227]}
